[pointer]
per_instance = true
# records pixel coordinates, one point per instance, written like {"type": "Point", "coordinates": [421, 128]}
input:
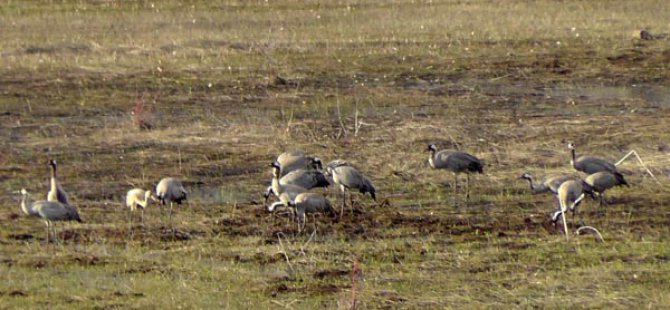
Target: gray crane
{"type": "Point", "coordinates": [455, 161]}
{"type": "Point", "coordinates": [277, 187]}
{"type": "Point", "coordinates": [56, 192]}
{"type": "Point", "coordinates": [284, 199]}
{"type": "Point", "coordinates": [294, 160]}
{"type": "Point", "coordinates": [49, 211]}
{"type": "Point", "coordinates": [570, 194]}
{"type": "Point", "coordinates": [601, 181]}
{"type": "Point", "coordinates": [549, 183]}
{"type": "Point", "coordinates": [310, 203]}
{"type": "Point", "coordinates": [305, 178]}
{"type": "Point", "coordinates": [348, 178]}
{"type": "Point", "coordinates": [591, 164]}
{"type": "Point", "coordinates": [170, 190]}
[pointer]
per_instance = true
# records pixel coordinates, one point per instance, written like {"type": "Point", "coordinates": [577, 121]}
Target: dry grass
{"type": "Point", "coordinates": [238, 83]}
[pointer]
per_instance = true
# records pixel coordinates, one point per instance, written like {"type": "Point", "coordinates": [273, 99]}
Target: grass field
{"type": "Point", "coordinates": [229, 86]}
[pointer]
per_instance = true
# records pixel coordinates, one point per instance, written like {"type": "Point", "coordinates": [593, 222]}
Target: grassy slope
{"type": "Point", "coordinates": [510, 83]}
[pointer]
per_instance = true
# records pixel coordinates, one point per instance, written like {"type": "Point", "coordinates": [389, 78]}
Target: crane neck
{"type": "Point", "coordinates": [53, 177]}
{"type": "Point", "coordinates": [275, 185]}
{"type": "Point", "coordinates": [572, 151]}
{"type": "Point", "coordinates": [531, 182]}
{"type": "Point", "coordinates": [27, 205]}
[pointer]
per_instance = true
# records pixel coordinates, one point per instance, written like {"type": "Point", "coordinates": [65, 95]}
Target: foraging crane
{"type": "Point", "coordinates": [548, 184]}
{"type": "Point", "coordinates": [294, 160]}
{"type": "Point", "coordinates": [310, 203]}
{"type": "Point", "coordinates": [284, 199]}
{"type": "Point", "coordinates": [591, 164]}
{"type": "Point", "coordinates": [277, 187]}
{"type": "Point", "coordinates": [456, 162]}
{"type": "Point", "coordinates": [348, 177]}
{"type": "Point", "coordinates": [601, 181]}
{"type": "Point", "coordinates": [49, 211]}
{"type": "Point", "coordinates": [570, 195]}
{"type": "Point", "coordinates": [305, 178]}
{"type": "Point", "coordinates": [56, 192]}
{"type": "Point", "coordinates": [138, 198]}
{"type": "Point", "coordinates": [170, 190]}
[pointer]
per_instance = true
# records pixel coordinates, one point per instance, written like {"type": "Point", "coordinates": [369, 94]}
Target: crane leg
{"type": "Point", "coordinates": [170, 220]}
{"type": "Point", "coordinates": [47, 224]}
{"type": "Point", "coordinates": [455, 183]}
{"type": "Point", "coordinates": [301, 226]}
{"type": "Point", "coordinates": [130, 219]}
{"type": "Point", "coordinates": [344, 195]}
{"type": "Point", "coordinates": [53, 227]}
{"type": "Point", "coordinates": [170, 215]}
{"type": "Point", "coordinates": [467, 187]}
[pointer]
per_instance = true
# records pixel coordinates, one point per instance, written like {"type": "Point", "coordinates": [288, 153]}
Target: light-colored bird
{"type": "Point", "coordinates": [455, 161]}
{"type": "Point", "coordinates": [56, 191]}
{"type": "Point", "coordinates": [311, 203]}
{"type": "Point", "coordinates": [570, 194]}
{"type": "Point", "coordinates": [548, 183]}
{"type": "Point", "coordinates": [601, 181]}
{"type": "Point", "coordinates": [170, 190]}
{"type": "Point", "coordinates": [349, 178]}
{"type": "Point", "coordinates": [305, 178]}
{"type": "Point", "coordinates": [283, 199]}
{"type": "Point", "coordinates": [138, 198]}
{"type": "Point", "coordinates": [591, 164]}
{"type": "Point", "coordinates": [49, 211]}
{"type": "Point", "coordinates": [294, 160]}
{"type": "Point", "coordinates": [277, 187]}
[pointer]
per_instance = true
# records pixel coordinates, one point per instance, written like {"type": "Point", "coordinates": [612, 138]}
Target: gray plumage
{"type": "Point", "coordinates": [294, 160]}
{"type": "Point", "coordinates": [49, 211]}
{"type": "Point", "coordinates": [305, 178]}
{"type": "Point", "coordinates": [548, 183]}
{"type": "Point", "coordinates": [455, 161]}
{"type": "Point", "coordinates": [591, 164]}
{"type": "Point", "coordinates": [284, 199]}
{"type": "Point", "coordinates": [277, 187]}
{"type": "Point", "coordinates": [348, 178]}
{"type": "Point", "coordinates": [570, 194]}
{"type": "Point", "coordinates": [56, 192]}
{"type": "Point", "coordinates": [170, 190]}
{"type": "Point", "coordinates": [305, 203]}
{"type": "Point", "coordinates": [336, 163]}
{"type": "Point", "coordinates": [601, 181]}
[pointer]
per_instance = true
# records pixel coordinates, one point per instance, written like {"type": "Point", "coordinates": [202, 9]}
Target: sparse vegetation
{"type": "Point", "coordinates": [366, 81]}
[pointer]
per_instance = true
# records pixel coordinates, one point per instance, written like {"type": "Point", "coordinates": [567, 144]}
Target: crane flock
{"type": "Point", "coordinates": [295, 175]}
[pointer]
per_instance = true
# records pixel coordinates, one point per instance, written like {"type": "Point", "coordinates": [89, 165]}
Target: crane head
{"type": "Point", "coordinates": [526, 176]}
{"type": "Point", "coordinates": [432, 148]}
{"type": "Point", "coordinates": [268, 192]}
{"type": "Point", "coordinates": [316, 162]}
{"type": "Point", "coordinates": [571, 146]}
{"type": "Point", "coordinates": [149, 195]}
